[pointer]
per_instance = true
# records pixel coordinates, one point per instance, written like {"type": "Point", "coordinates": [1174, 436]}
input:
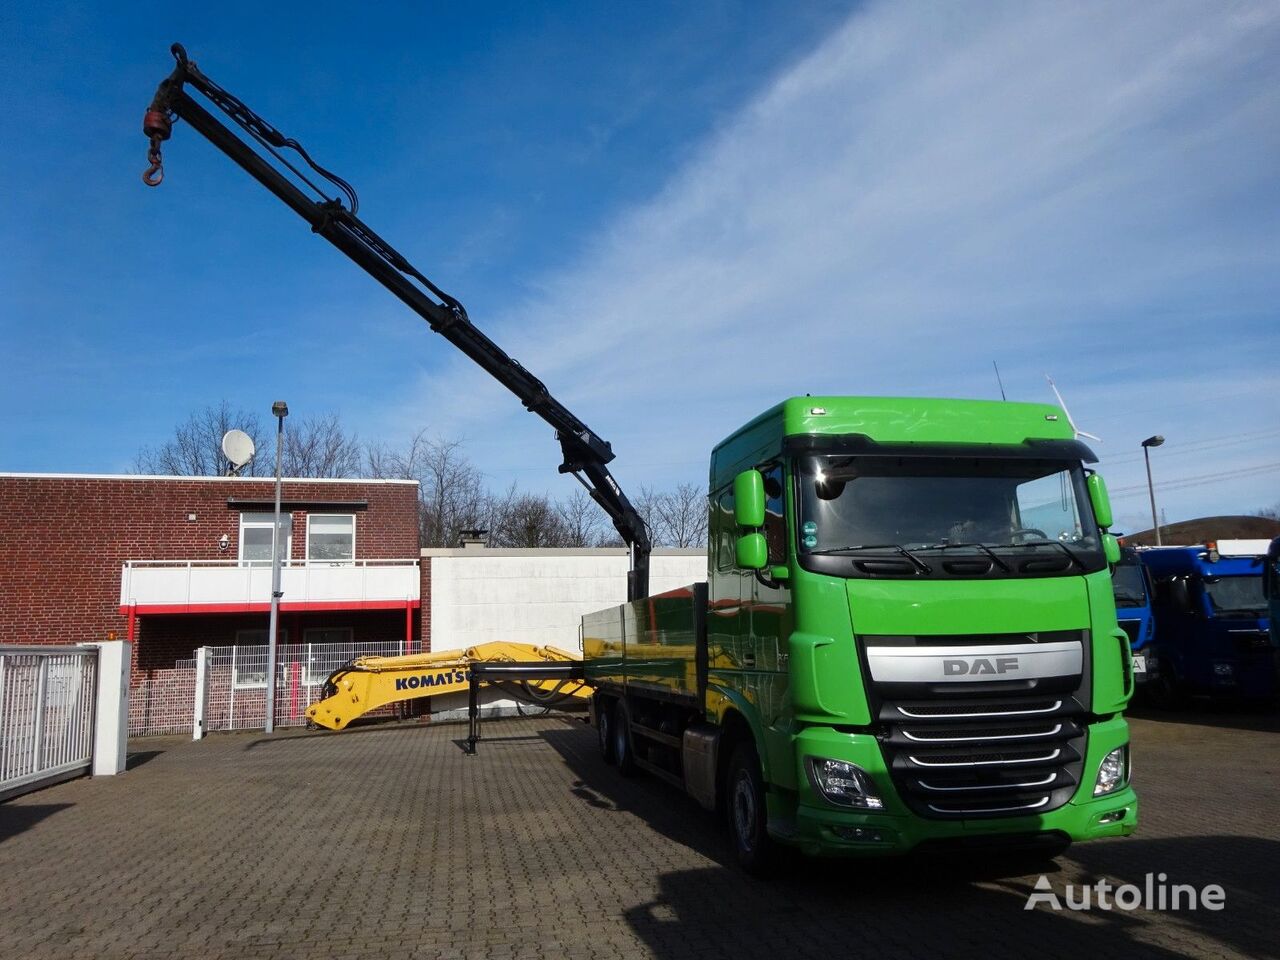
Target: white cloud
{"type": "Point", "coordinates": [1084, 189]}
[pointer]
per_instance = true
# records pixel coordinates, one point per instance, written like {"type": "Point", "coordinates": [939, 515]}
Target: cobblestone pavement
{"type": "Point", "coordinates": [389, 842]}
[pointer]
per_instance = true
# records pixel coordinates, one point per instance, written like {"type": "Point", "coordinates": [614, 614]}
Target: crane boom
{"type": "Point", "coordinates": [586, 455]}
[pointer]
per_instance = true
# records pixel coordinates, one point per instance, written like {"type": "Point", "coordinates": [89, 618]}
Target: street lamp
{"type": "Point", "coordinates": [1147, 444]}
{"type": "Point", "coordinates": [279, 410]}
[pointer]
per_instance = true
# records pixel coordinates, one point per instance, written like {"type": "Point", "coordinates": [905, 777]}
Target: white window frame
{"type": "Point", "coordinates": [308, 678]}
{"type": "Point", "coordinates": [334, 563]}
{"type": "Point", "coordinates": [286, 521]}
{"type": "Point", "coordinates": [236, 682]}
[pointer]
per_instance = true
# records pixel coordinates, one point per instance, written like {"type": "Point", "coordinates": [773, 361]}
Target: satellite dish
{"type": "Point", "coordinates": [238, 448]}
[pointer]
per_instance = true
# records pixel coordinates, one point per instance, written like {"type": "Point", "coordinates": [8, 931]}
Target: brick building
{"type": "Point", "coordinates": [176, 563]}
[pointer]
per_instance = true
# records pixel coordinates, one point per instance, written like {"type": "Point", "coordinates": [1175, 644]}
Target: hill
{"type": "Point", "coordinates": [1205, 529]}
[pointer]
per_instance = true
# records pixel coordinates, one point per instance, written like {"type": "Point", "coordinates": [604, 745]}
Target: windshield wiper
{"type": "Point", "coordinates": [896, 547]}
{"type": "Point", "coordinates": [976, 546]}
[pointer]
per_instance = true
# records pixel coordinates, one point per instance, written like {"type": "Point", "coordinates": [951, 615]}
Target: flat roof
{"type": "Point", "coordinates": [188, 478]}
{"type": "Point", "coordinates": [478, 551]}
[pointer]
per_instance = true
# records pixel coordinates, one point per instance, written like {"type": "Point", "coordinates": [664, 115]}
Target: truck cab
{"type": "Point", "coordinates": [1131, 587]}
{"type": "Point", "coordinates": [1213, 635]}
{"type": "Point", "coordinates": [907, 638]}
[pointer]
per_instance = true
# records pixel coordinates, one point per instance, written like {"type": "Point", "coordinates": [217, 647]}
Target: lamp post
{"type": "Point", "coordinates": [279, 410]}
{"type": "Point", "coordinates": [1147, 444]}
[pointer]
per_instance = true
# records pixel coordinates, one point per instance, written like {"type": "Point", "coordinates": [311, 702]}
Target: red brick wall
{"type": "Point", "coordinates": [63, 540]}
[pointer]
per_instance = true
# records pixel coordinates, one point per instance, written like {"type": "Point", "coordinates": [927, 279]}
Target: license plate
{"type": "Point", "coordinates": [1139, 663]}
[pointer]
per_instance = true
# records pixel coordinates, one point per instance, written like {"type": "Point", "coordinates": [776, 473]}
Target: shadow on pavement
{"type": "Point", "coordinates": [141, 757]}
{"type": "Point", "coordinates": [16, 818]}
{"type": "Point", "coordinates": [912, 908]}
{"type": "Point", "coordinates": [918, 906]}
{"type": "Point", "coordinates": [1207, 713]}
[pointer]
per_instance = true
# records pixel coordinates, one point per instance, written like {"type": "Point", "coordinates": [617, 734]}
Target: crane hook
{"type": "Point", "coordinates": [157, 126]}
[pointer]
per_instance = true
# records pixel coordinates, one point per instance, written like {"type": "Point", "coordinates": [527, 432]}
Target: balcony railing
{"type": "Point", "coordinates": [179, 586]}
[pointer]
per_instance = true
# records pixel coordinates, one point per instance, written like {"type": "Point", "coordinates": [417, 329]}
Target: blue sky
{"type": "Point", "coordinates": [675, 214]}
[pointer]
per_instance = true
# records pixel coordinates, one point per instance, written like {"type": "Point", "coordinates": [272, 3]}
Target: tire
{"type": "Point", "coordinates": [1165, 690]}
{"type": "Point", "coordinates": [748, 817]}
{"type": "Point", "coordinates": [623, 754]}
{"type": "Point", "coordinates": [604, 731]}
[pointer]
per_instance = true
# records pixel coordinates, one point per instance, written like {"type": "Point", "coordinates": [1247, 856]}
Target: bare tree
{"type": "Point", "coordinates": [527, 520]}
{"type": "Point", "coordinates": [451, 493]}
{"type": "Point", "coordinates": [681, 516]}
{"type": "Point", "coordinates": [584, 522]}
{"type": "Point", "coordinates": [1269, 513]}
{"type": "Point", "coordinates": [320, 447]}
{"type": "Point", "coordinates": [195, 450]}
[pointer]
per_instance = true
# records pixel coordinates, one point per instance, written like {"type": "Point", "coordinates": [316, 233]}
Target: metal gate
{"type": "Point", "coordinates": [47, 701]}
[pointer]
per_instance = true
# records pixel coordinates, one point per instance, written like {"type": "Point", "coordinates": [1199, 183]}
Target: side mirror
{"type": "Point", "coordinates": [1101, 502]}
{"type": "Point", "coordinates": [748, 502]}
{"type": "Point", "coordinates": [752, 550]}
{"type": "Point", "coordinates": [1110, 547]}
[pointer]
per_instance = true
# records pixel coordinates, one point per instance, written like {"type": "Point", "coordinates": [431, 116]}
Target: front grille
{"type": "Point", "coordinates": [1132, 628]}
{"type": "Point", "coordinates": [966, 757]}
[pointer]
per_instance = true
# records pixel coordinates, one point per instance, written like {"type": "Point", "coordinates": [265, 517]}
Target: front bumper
{"type": "Point", "coordinates": [820, 828]}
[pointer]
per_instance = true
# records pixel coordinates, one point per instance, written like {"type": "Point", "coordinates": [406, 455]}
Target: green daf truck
{"type": "Point", "coordinates": [907, 637]}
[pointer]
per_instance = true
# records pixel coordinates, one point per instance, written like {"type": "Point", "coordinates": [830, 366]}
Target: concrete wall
{"type": "Point", "coordinates": [529, 596]}
{"type": "Point", "coordinates": [536, 596]}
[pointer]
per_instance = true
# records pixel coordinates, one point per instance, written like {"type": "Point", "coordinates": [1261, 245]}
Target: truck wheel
{"type": "Point", "coordinates": [604, 731]}
{"type": "Point", "coordinates": [1165, 689]}
{"type": "Point", "coordinates": [754, 849]}
{"type": "Point", "coordinates": [623, 756]}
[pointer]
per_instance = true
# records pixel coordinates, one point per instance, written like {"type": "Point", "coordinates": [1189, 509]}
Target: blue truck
{"type": "Point", "coordinates": [1131, 585]}
{"type": "Point", "coordinates": [1271, 587]}
{"type": "Point", "coordinates": [1212, 626]}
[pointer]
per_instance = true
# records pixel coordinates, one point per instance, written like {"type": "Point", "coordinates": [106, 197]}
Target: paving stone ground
{"type": "Point", "coordinates": [389, 842]}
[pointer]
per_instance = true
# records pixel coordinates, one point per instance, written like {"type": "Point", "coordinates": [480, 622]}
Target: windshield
{"type": "Point", "coordinates": [1000, 509]}
{"type": "Point", "coordinates": [1236, 596]}
{"type": "Point", "coordinates": [1129, 585]}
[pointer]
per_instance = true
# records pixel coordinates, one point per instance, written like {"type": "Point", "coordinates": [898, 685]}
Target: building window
{"type": "Point", "coordinates": [331, 537]}
{"type": "Point", "coordinates": [249, 666]}
{"type": "Point", "coordinates": [323, 653]}
{"type": "Point", "coordinates": [255, 538]}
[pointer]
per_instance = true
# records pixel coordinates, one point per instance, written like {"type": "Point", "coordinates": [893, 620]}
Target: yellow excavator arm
{"type": "Point", "coordinates": [367, 683]}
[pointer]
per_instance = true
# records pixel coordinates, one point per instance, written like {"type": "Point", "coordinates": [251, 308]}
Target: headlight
{"type": "Point", "coordinates": [1113, 774]}
{"type": "Point", "coordinates": [842, 783]}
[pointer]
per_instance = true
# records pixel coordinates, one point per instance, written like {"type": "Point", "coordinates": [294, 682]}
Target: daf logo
{"type": "Point", "coordinates": [980, 665]}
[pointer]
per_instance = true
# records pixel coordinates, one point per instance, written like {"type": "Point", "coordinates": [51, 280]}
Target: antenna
{"type": "Point", "coordinates": [999, 381]}
{"type": "Point", "coordinates": [237, 447]}
{"type": "Point", "coordinates": [1063, 404]}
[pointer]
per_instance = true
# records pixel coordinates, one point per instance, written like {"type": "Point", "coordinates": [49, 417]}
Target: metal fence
{"type": "Point", "coordinates": [236, 680]}
{"type": "Point", "coordinates": [47, 699]}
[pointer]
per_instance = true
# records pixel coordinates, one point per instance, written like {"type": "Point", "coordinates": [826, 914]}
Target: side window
{"type": "Point", "coordinates": [725, 530]}
{"type": "Point", "coordinates": [775, 513]}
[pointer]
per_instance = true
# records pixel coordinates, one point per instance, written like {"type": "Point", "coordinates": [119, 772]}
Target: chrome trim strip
{"type": "Point", "coordinates": [990, 713]}
{"type": "Point", "coordinates": [990, 786]}
{"type": "Point", "coordinates": [1057, 728]}
{"type": "Point", "coordinates": [1022, 806]}
{"type": "Point", "coordinates": [987, 763]}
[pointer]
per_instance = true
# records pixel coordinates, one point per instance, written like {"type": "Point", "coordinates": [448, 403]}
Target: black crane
{"type": "Point", "coordinates": [585, 453]}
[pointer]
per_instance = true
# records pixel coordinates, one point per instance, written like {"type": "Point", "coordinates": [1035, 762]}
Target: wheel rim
{"type": "Point", "coordinates": [605, 732]}
{"type": "Point", "coordinates": [744, 811]}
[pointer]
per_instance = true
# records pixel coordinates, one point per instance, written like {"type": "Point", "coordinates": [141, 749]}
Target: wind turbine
{"type": "Point", "coordinates": [1063, 404]}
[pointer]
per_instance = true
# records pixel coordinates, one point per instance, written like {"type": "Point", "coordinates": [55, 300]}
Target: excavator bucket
{"type": "Point", "coordinates": [367, 683]}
